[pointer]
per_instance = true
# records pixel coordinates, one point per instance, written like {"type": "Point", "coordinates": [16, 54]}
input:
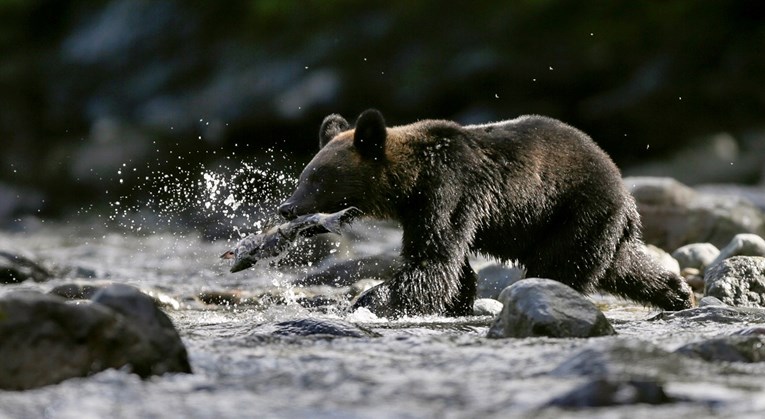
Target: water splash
{"type": "Point", "coordinates": [232, 197]}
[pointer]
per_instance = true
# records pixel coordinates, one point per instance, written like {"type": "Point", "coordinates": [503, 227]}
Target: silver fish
{"type": "Point", "coordinates": [277, 239]}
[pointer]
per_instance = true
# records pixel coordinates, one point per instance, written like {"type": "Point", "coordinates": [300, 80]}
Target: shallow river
{"type": "Point", "coordinates": [417, 367]}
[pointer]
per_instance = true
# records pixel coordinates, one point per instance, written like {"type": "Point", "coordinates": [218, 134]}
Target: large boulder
{"type": "Point", "coordinates": [674, 215]}
{"type": "Point", "coordinates": [543, 307]}
{"type": "Point", "coordinates": [46, 339]}
{"type": "Point", "coordinates": [737, 281]}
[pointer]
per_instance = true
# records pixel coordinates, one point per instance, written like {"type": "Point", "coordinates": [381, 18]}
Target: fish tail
{"type": "Point", "coordinates": [334, 224]}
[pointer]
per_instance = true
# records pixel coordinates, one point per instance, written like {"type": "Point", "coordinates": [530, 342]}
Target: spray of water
{"type": "Point", "coordinates": [229, 197]}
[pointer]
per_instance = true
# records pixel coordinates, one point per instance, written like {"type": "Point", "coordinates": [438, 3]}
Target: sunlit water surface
{"type": "Point", "coordinates": [417, 367]}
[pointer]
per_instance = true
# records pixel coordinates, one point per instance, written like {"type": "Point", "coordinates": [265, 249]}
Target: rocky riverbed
{"type": "Point", "coordinates": [258, 345]}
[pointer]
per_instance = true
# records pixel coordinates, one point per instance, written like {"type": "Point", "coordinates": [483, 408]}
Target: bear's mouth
{"type": "Point", "coordinates": [288, 211]}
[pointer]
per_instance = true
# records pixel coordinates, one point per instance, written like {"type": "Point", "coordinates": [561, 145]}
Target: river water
{"type": "Point", "coordinates": [413, 367]}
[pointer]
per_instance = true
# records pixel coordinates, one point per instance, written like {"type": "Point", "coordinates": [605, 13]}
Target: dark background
{"type": "Point", "coordinates": [672, 87]}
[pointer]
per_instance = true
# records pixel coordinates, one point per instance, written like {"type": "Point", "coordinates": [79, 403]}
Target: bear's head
{"type": "Point", "coordinates": [350, 169]}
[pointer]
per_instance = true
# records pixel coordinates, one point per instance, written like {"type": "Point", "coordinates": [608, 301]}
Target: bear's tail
{"type": "Point", "coordinates": [637, 276]}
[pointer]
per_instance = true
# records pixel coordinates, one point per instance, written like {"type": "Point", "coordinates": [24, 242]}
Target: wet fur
{"type": "Point", "coordinates": [532, 189]}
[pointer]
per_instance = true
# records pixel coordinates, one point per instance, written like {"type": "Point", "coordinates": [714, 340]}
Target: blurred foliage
{"type": "Point", "coordinates": [265, 72]}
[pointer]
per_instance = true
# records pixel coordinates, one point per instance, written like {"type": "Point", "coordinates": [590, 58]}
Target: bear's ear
{"type": "Point", "coordinates": [370, 134]}
{"type": "Point", "coordinates": [333, 124]}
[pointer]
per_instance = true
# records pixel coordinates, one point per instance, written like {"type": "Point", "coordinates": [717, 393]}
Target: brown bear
{"type": "Point", "coordinates": [531, 189]}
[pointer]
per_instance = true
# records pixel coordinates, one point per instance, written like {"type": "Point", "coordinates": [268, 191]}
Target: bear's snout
{"type": "Point", "coordinates": [287, 210]}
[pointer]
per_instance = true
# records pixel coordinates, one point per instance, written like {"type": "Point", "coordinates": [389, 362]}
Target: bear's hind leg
{"type": "Point", "coordinates": [462, 304]}
{"type": "Point", "coordinates": [636, 276]}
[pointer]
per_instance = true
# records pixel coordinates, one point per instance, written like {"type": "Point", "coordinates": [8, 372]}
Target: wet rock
{"type": "Point", "coordinates": [165, 350]}
{"type": "Point", "coordinates": [161, 299]}
{"type": "Point", "coordinates": [624, 358]}
{"type": "Point", "coordinates": [696, 255]}
{"type": "Point", "coordinates": [674, 215]}
{"type": "Point", "coordinates": [313, 327]}
{"type": "Point", "coordinates": [610, 392]}
{"type": "Point", "coordinates": [733, 348]}
{"type": "Point", "coordinates": [543, 307]}
{"type": "Point", "coordinates": [47, 339]}
{"type": "Point", "coordinates": [710, 301]}
{"type": "Point", "coordinates": [86, 291]}
{"type": "Point", "coordinates": [495, 277]}
{"type": "Point", "coordinates": [737, 281]}
{"type": "Point", "coordinates": [221, 297]}
{"type": "Point", "coordinates": [715, 313]}
{"type": "Point", "coordinates": [15, 268]}
{"type": "Point", "coordinates": [486, 307]}
{"type": "Point", "coordinates": [693, 278]}
{"type": "Point", "coordinates": [741, 245]}
{"type": "Point", "coordinates": [665, 259]}
{"type": "Point", "coordinates": [75, 291]}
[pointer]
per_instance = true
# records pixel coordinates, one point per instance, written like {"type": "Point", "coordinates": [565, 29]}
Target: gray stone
{"type": "Point", "coordinates": [715, 313]}
{"type": "Point", "coordinates": [710, 301]}
{"type": "Point", "coordinates": [741, 245]}
{"type": "Point", "coordinates": [15, 268]}
{"type": "Point", "coordinates": [733, 348]}
{"type": "Point", "coordinates": [492, 279]}
{"type": "Point", "coordinates": [696, 255]}
{"type": "Point", "coordinates": [665, 259]}
{"type": "Point", "coordinates": [543, 307]}
{"type": "Point", "coordinates": [486, 307]}
{"type": "Point", "coordinates": [75, 291]}
{"type": "Point", "coordinates": [737, 281]}
{"type": "Point", "coordinates": [602, 392]}
{"type": "Point", "coordinates": [674, 215]}
{"type": "Point", "coordinates": [321, 328]}
{"type": "Point", "coordinates": [165, 351]}
{"type": "Point", "coordinates": [46, 340]}
{"type": "Point", "coordinates": [624, 358]}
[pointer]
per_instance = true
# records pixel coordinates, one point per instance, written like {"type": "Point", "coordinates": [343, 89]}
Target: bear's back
{"type": "Point", "coordinates": [556, 150]}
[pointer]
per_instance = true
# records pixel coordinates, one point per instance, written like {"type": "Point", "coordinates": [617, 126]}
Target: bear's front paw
{"type": "Point", "coordinates": [376, 300]}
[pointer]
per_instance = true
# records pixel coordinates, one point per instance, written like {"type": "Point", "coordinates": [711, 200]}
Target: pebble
{"type": "Point", "coordinates": [486, 307]}
{"type": "Point", "coordinates": [696, 255]}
